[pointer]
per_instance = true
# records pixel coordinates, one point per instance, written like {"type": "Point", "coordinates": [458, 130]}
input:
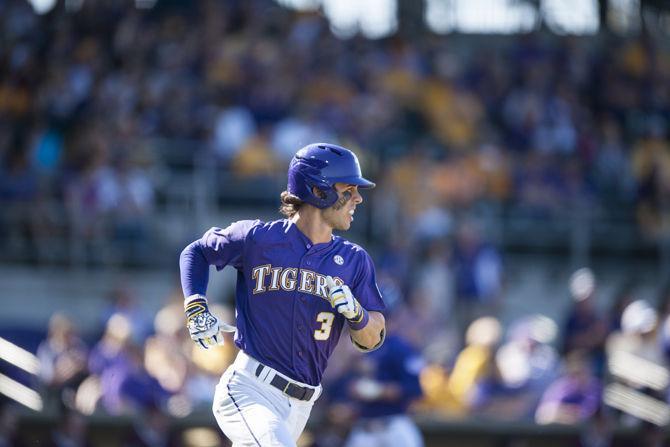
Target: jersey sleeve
{"type": "Point", "coordinates": [218, 247]}
{"type": "Point", "coordinates": [365, 287]}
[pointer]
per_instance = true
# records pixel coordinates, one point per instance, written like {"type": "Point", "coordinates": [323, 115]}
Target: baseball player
{"type": "Point", "coordinates": [297, 286]}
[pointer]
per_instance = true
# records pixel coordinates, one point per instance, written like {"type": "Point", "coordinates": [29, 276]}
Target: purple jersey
{"type": "Point", "coordinates": [284, 319]}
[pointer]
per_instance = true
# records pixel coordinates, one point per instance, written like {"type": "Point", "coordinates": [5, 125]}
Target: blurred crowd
{"type": "Point", "coordinates": [96, 98]}
{"type": "Point", "coordinates": [138, 366]}
{"type": "Point", "coordinates": [600, 369]}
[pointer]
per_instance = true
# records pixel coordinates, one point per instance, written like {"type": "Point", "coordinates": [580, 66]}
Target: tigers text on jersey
{"type": "Point", "coordinates": [283, 317]}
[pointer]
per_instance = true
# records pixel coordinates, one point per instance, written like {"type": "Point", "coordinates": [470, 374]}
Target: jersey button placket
{"type": "Point", "coordinates": [306, 262]}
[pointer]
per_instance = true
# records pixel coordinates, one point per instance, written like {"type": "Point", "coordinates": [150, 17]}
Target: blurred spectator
{"type": "Point", "coordinates": [128, 387]}
{"type": "Point", "coordinates": [133, 205]}
{"type": "Point", "coordinates": [437, 398]}
{"type": "Point", "coordinates": [113, 344]}
{"type": "Point", "coordinates": [574, 397]}
{"type": "Point", "coordinates": [651, 165]}
{"type": "Point", "coordinates": [255, 159]}
{"type": "Point", "coordinates": [90, 197]}
{"type": "Point", "coordinates": [478, 272]}
{"type": "Point", "coordinates": [527, 364]}
{"type": "Point", "coordinates": [18, 181]}
{"type": "Point", "coordinates": [395, 259]}
{"type": "Point", "coordinates": [296, 131]}
{"type": "Point", "coordinates": [434, 280]}
{"type": "Point", "coordinates": [613, 171]}
{"type": "Point", "coordinates": [233, 128]}
{"type": "Point", "coordinates": [63, 357]}
{"type": "Point", "coordinates": [432, 303]}
{"type": "Point", "coordinates": [432, 223]}
{"type": "Point", "coordinates": [122, 301]}
{"type": "Point", "coordinates": [539, 186]}
{"type": "Point", "coordinates": [638, 335]}
{"type": "Point", "coordinates": [584, 329]}
{"type": "Point", "coordinates": [18, 190]}
{"type": "Point", "coordinates": [152, 429]}
{"type": "Point", "coordinates": [165, 357]}
{"type": "Point", "coordinates": [378, 391]}
{"type": "Point", "coordinates": [423, 328]}
{"type": "Point", "coordinates": [47, 150]}
{"type": "Point", "coordinates": [475, 366]}
{"type": "Point", "coordinates": [118, 365]}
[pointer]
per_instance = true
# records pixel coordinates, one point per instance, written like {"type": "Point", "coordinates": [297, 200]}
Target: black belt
{"type": "Point", "coordinates": [286, 387]}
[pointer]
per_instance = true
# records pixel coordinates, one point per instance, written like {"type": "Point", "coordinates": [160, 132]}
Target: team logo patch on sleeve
{"type": "Point", "coordinates": [339, 260]}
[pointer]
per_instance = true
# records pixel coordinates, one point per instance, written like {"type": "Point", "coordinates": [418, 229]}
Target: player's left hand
{"type": "Point", "coordinates": [342, 299]}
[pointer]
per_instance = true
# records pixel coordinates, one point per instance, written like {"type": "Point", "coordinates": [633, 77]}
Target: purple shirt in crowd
{"type": "Point", "coordinates": [283, 317]}
{"type": "Point", "coordinates": [586, 394]}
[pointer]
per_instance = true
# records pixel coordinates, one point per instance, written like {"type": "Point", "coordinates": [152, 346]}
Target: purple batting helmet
{"type": "Point", "coordinates": [321, 165]}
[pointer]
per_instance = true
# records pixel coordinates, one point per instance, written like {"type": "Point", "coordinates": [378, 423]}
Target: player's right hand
{"type": "Point", "coordinates": [203, 327]}
{"type": "Point", "coordinates": [342, 299]}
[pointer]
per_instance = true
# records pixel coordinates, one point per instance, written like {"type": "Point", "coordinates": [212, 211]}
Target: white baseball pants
{"type": "Point", "coordinates": [251, 412]}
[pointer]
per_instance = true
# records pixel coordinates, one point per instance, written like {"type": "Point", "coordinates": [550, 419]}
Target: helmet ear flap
{"type": "Point", "coordinates": [323, 198]}
{"type": "Point", "coordinates": [319, 193]}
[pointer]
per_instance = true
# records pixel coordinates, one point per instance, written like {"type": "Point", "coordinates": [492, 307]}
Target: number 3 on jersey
{"type": "Point", "coordinates": [326, 320]}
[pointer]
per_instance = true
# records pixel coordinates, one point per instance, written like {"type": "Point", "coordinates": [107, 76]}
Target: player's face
{"type": "Point", "coordinates": [341, 214]}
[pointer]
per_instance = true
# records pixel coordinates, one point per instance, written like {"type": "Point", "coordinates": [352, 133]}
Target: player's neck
{"type": "Point", "coordinates": [312, 225]}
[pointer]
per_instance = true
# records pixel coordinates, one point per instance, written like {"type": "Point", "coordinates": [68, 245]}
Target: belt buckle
{"type": "Point", "coordinates": [300, 395]}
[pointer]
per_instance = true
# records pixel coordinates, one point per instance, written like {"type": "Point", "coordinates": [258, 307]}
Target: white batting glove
{"type": "Point", "coordinates": [204, 328]}
{"type": "Point", "coordinates": [343, 300]}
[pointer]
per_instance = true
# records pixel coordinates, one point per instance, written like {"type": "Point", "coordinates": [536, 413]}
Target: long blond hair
{"type": "Point", "coordinates": [290, 204]}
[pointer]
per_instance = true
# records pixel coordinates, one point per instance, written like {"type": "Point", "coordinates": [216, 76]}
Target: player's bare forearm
{"type": "Point", "coordinates": [370, 336]}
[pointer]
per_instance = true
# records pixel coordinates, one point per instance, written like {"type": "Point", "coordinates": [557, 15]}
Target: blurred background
{"type": "Point", "coordinates": [520, 227]}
